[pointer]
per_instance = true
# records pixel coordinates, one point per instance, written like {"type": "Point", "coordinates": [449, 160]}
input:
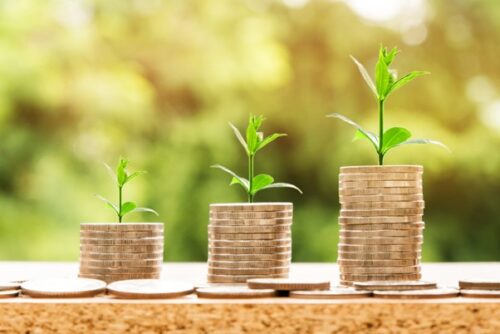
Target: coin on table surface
{"type": "Point", "coordinates": [135, 241]}
{"type": "Point", "coordinates": [251, 222]}
{"type": "Point", "coordinates": [288, 284]}
{"type": "Point", "coordinates": [249, 264]}
{"type": "Point", "coordinates": [251, 215]}
{"type": "Point", "coordinates": [379, 184]}
{"type": "Point", "coordinates": [418, 294]}
{"type": "Point", "coordinates": [121, 270]}
{"type": "Point", "coordinates": [348, 270]}
{"type": "Point", "coordinates": [260, 207]}
{"type": "Point", "coordinates": [121, 248]}
{"type": "Point", "coordinates": [381, 240]}
{"type": "Point", "coordinates": [387, 227]}
{"type": "Point", "coordinates": [380, 191]}
{"type": "Point", "coordinates": [9, 293]}
{"type": "Point", "coordinates": [388, 255]}
{"type": "Point", "coordinates": [380, 176]}
{"type": "Point", "coordinates": [158, 255]}
{"type": "Point", "coordinates": [381, 220]}
{"type": "Point", "coordinates": [239, 278]}
{"type": "Point", "coordinates": [250, 243]}
{"type": "Point", "coordinates": [250, 257]}
{"type": "Point", "coordinates": [394, 285]}
{"type": "Point", "coordinates": [120, 235]}
{"type": "Point", "coordinates": [382, 169]}
{"type": "Point", "coordinates": [149, 289]}
{"type": "Point", "coordinates": [250, 229]}
{"type": "Point", "coordinates": [63, 288]}
{"type": "Point", "coordinates": [383, 205]}
{"type": "Point", "coordinates": [248, 271]}
{"type": "Point", "coordinates": [477, 284]}
{"type": "Point", "coordinates": [248, 250]}
{"type": "Point", "coordinates": [332, 293]}
{"type": "Point", "coordinates": [380, 233]}
{"type": "Point", "coordinates": [381, 277]}
{"type": "Point", "coordinates": [480, 293]}
{"type": "Point", "coordinates": [378, 263]}
{"type": "Point", "coordinates": [249, 236]}
{"type": "Point", "coordinates": [6, 286]}
{"type": "Point", "coordinates": [379, 248]}
{"type": "Point", "coordinates": [234, 292]}
{"type": "Point", "coordinates": [381, 212]}
{"type": "Point", "coordinates": [121, 263]}
{"type": "Point", "coordinates": [381, 198]}
{"type": "Point", "coordinates": [121, 227]}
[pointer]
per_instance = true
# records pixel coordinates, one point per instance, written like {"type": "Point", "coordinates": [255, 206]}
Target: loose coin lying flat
{"type": "Point", "coordinates": [382, 169]}
{"type": "Point", "coordinates": [417, 294]}
{"type": "Point", "coordinates": [394, 285]}
{"type": "Point", "coordinates": [9, 293]}
{"type": "Point", "coordinates": [63, 288]}
{"type": "Point", "coordinates": [234, 292]}
{"type": "Point", "coordinates": [149, 289]}
{"type": "Point", "coordinates": [288, 284]}
{"type": "Point", "coordinates": [239, 278]}
{"type": "Point", "coordinates": [480, 293]}
{"type": "Point", "coordinates": [333, 293]}
{"type": "Point", "coordinates": [275, 206]}
{"type": "Point", "coordinates": [479, 284]}
{"type": "Point", "coordinates": [9, 286]}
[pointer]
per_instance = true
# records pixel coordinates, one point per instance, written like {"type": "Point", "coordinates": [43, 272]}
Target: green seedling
{"type": "Point", "coordinates": [255, 141]}
{"type": "Point", "coordinates": [386, 82]}
{"type": "Point", "coordinates": [122, 177]}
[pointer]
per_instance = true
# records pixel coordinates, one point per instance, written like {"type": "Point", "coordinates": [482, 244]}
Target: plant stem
{"type": "Point", "coordinates": [381, 131]}
{"type": "Point", "coordinates": [120, 188]}
{"type": "Point", "coordinates": [250, 178]}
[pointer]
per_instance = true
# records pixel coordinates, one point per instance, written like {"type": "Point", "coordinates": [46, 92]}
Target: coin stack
{"type": "Point", "coordinates": [381, 227]}
{"type": "Point", "coordinates": [120, 251]}
{"type": "Point", "coordinates": [249, 240]}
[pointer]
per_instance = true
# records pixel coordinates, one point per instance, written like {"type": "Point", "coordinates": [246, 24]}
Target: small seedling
{"type": "Point", "coordinates": [386, 83]}
{"type": "Point", "coordinates": [255, 141]}
{"type": "Point", "coordinates": [122, 177]}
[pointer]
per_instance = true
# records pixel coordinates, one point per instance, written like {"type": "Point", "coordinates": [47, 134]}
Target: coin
{"type": "Point", "coordinates": [382, 169]}
{"type": "Point", "coordinates": [251, 222]}
{"type": "Point", "coordinates": [149, 289]}
{"type": "Point", "coordinates": [381, 212]}
{"type": "Point", "coordinates": [381, 220]}
{"type": "Point", "coordinates": [382, 205]}
{"type": "Point", "coordinates": [380, 191]}
{"type": "Point", "coordinates": [380, 248]}
{"type": "Point", "coordinates": [249, 236]}
{"type": "Point", "coordinates": [381, 198]}
{"type": "Point", "coordinates": [121, 248]}
{"type": "Point", "coordinates": [248, 271]}
{"type": "Point", "coordinates": [333, 293]}
{"type": "Point", "coordinates": [480, 293]}
{"type": "Point", "coordinates": [6, 286]}
{"type": "Point", "coordinates": [120, 277]}
{"type": "Point", "coordinates": [380, 277]}
{"type": "Point", "coordinates": [121, 256]}
{"type": "Point", "coordinates": [381, 240]}
{"type": "Point", "coordinates": [380, 176]}
{"type": "Point", "coordinates": [251, 215]}
{"type": "Point", "coordinates": [380, 233]}
{"type": "Point", "coordinates": [120, 270]}
{"type": "Point", "coordinates": [120, 235]}
{"type": "Point", "coordinates": [9, 293]}
{"type": "Point", "coordinates": [63, 288]}
{"type": "Point", "coordinates": [250, 229]}
{"type": "Point", "coordinates": [135, 241]}
{"type": "Point", "coordinates": [120, 263]}
{"type": "Point", "coordinates": [250, 257]}
{"type": "Point", "coordinates": [388, 226]}
{"type": "Point", "coordinates": [379, 184]}
{"type": "Point", "coordinates": [348, 270]}
{"type": "Point", "coordinates": [121, 227]}
{"type": "Point", "coordinates": [394, 285]}
{"type": "Point", "coordinates": [249, 264]}
{"type": "Point", "coordinates": [259, 207]}
{"type": "Point", "coordinates": [234, 292]}
{"type": "Point", "coordinates": [250, 243]}
{"type": "Point", "coordinates": [417, 294]}
{"type": "Point", "coordinates": [239, 278]}
{"type": "Point", "coordinates": [248, 250]}
{"type": "Point", "coordinates": [388, 255]}
{"type": "Point", "coordinates": [477, 284]}
{"type": "Point", "coordinates": [288, 284]}
{"type": "Point", "coordinates": [378, 263]}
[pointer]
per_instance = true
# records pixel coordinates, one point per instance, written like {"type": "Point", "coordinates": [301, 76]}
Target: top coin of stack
{"type": "Point", "coordinates": [381, 227]}
{"type": "Point", "coordinates": [120, 251]}
{"type": "Point", "coordinates": [249, 240]}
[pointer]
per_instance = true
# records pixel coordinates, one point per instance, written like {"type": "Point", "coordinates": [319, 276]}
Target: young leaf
{"type": "Point", "coordinates": [134, 175]}
{"type": "Point", "coordinates": [128, 207]}
{"type": "Point", "coordinates": [108, 203]}
{"type": "Point", "coordinates": [270, 139]}
{"type": "Point", "coordinates": [425, 141]}
{"type": "Point", "coordinates": [238, 135]}
{"type": "Point", "coordinates": [404, 80]}
{"type": "Point", "coordinates": [121, 173]}
{"type": "Point", "coordinates": [253, 139]}
{"type": "Point", "coordinates": [382, 75]}
{"type": "Point", "coordinates": [145, 210]}
{"type": "Point", "coordinates": [260, 181]}
{"type": "Point", "coordinates": [373, 138]}
{"type": "Point", "coordinates": [110, 171]}
{"type": "Point", "coordinates": [389, 57]}
{"type": "Point", "coordinates": [394, 137]}
{"type": "Point", "coordinates": [365, 75]}
{"type": "Point", "coordinates": [282, 185]}
{"type": "Point", "coordinates": [240, 180]}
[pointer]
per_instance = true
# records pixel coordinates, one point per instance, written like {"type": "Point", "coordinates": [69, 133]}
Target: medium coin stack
{"type": "Point", "coordinates": [381, 227]}
{"type": "Point", "coordinates": [121, 251]}
{"type": "Point", "coordinates": [249, 240]}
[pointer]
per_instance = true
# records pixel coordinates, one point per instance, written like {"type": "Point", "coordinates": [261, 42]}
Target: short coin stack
{"type": "Point", "coordinates": [121, 251]}
{"type": "Point", "coordinates": [249, 240]}
{"type": "Point", "coordinates": [381, 227]}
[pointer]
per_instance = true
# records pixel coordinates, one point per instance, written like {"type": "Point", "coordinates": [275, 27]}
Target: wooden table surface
{"type": "Point", "coordinates": [271, 315]}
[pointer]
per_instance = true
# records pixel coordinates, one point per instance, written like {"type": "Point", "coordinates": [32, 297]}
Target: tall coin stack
{"type": "Point", "coordinates": [249, 240]}
{"type": "Point", "coordinates": [381, 227]}
{"type": "Point", "coordinates": [119, 251]}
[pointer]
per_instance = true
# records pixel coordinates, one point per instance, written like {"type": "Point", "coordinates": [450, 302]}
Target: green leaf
{"type": "Point", "coordinates": [365, 75]}
{"type": "Point", "coordinates": [121, 173]}
{"type": "Point", "coordinates": [382, 75]}
{"type": "Point", "coordinates": [108, 203]}
{"type": "Point", "coordinates": [389, 57]}
{"type": "Point", "coordinates": [241, 180]}
{"type": "Point", "coordinates": [393, 137]}
{"type": "Point", "coordinates": [253, 139]}
{"type": "Point", "coordinates": [404, 80]}
{"type": "Point", "coordinates": [128, 207]}
{"type": "Point", "coordinates": [270, 139]}
{"type": "Point", "coordinates": [145, 210]}
{"type": "Point", "coordinates": [282, 185]}
{"type": "Point", "coordinates": [260, 181]}
{"type": "Point", "coordinates": [425, 141]}
{"type": "Point", "coordinates": [110, 171]}
{"type": "Point", "coordinates": [134, 175]}
{"type": "Point", "coordinates": [373, 138]}
{"type": "Point", "coordinates": [238, 135]}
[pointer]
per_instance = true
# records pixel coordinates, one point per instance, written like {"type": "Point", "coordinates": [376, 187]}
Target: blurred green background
{"type": "Point", "coordinates": [83, 82]}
